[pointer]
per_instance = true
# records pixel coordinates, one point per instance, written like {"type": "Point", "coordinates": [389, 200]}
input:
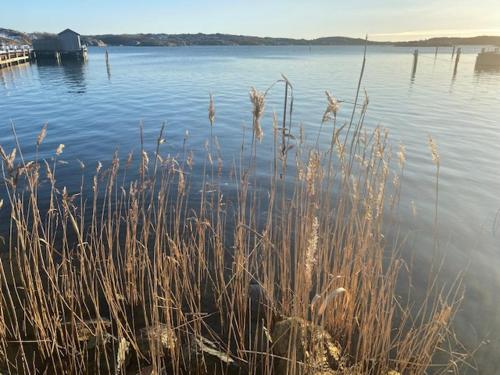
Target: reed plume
{"type": "Point", "coordinates": [211, 111]}
{"type": "Point", "coordinates": [312, 248]}
{"type": "Point", "coordinates": [42, 135]}
{"type": "Point", "coordinates": [434, 151]}
{"type": "Point", "coordinates": [332, 107]}
{"type": "Point", "coordinates": [60, 149]}
{"type": "Point", "coordinates": [258, 101]}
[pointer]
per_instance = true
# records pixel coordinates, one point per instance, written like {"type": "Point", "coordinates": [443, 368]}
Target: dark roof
{"type": "Point", "coordinates": [68, 31]}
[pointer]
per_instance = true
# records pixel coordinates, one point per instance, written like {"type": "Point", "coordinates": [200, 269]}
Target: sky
{"type": "Point", "coordinates": [391, 20]}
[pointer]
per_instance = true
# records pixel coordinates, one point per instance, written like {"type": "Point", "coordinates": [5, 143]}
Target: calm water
{"type": "Point", "coordinates": [93, 110]}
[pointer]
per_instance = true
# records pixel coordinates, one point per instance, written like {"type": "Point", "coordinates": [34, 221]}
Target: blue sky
{"type": "Point", "coordinates": [382, 20]}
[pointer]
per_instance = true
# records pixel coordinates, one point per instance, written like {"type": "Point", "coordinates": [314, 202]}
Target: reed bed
{"type": "Point", "coordinates": [146, 270]}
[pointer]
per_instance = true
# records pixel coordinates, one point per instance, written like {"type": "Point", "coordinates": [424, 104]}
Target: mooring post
{"type": "Point", "coordinates": [437, 48]}
{"type": "Point", "coordinates": [453, 52]}
{"type": "Point", "coordinates": [457, 59]}
{"type": "Point", "coordinates": [108, 67]}
{"type": "Point", "coordinates": [415, 62]}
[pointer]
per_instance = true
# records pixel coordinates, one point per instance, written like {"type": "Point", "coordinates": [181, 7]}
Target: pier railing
{"type": "Point", "coordinates": [13, 56]}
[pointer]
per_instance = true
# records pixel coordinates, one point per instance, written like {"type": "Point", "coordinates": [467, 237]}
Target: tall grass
{"type": "Point", "coordinates": [132, 275]}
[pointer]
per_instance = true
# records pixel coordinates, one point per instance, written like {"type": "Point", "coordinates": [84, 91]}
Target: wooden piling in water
{"type": "Point", "coordinates": [108, 67]}
{"type": "Point", "coordinates": [457, 59]}
{"type": "Point", "coordinates": [453, 52]}
{"type": "Point", "coordinates": [415, 62]}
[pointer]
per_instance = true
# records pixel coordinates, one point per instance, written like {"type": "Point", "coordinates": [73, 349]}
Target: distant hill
{"type": "Point", "coordinates": [13, 37]}
{"type": "Point", "coordinates": [448, 42]}
{"type": "Point", "coordinates": [213, 40]}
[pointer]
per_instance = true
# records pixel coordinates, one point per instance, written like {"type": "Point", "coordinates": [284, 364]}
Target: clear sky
{"type": "Point", "coordinates": [380, 19]}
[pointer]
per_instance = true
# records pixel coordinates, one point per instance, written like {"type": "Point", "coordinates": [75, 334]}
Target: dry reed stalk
{"type": "Point", "coordinates": [141, 255]}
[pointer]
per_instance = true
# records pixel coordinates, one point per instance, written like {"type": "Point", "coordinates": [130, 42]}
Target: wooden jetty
{"type": "Point", "coordinates": [9, 57]}
{"type": "Point", "coordinates": [488, 58]}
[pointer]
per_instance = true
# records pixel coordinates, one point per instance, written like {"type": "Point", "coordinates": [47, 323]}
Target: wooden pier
{"type": "Point", "coordinates": [488, 58]}
{"type": "Point", "coordinates": [11, 57]}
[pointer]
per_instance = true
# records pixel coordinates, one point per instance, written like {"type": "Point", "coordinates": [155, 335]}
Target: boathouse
{"type": "Point", "coordinates": [69, 40]}
{"type": "Point", "coordinates": [66, 44]}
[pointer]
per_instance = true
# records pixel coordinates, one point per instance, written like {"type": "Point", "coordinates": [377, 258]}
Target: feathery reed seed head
{"type": "Point", "coordinates": [182, 183]}
{"type": "Point", "coordinates": [312, 248]}
{"type": "Point", "coordinates": [332, 107]}
{"type": "Point", "coordinates": [258, 101]}
{"type": "Point", "coordinates": [145, 160]}
{"type": "Point", "coordinates": [42, 135]}
{"type": "Point", "coordinates": [313, 171]}
{"type": "Point", "coordinates": [211, 111]}
{"type": "Point", "coordinates": [402, 155]}
{"type": "Point", "coordinates": [434, 151]}
{"type": "Point", "coordinates": [129, 160]}
{"type": "Point", "coordinates": [8, 159]}
{"type": "Point", "coordinates": [190, 160]}
{"type": "Point", "coordinates": [60, 149]}
{"type": "Point", "coordinates": [121, 357]}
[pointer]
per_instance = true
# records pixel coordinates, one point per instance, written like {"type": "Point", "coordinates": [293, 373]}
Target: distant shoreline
{"type": "Point", "coordinates": [176, 40]}
{"type": "Point", "coordinates": [9, 37]}
{"type": "Point", "coordinates": [288, 45]}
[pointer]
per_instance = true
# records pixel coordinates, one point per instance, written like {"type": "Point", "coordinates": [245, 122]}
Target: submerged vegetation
{"type": "Point", "coordinates": [157, 274]}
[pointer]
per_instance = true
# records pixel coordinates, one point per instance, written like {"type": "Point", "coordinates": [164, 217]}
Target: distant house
{"type": "Point", "coordinates": [66, 43]}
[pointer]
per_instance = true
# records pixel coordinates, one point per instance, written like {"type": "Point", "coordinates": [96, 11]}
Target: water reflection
{"type": "Point", "coordinates": [73, 74]}
{"type": "Point", "coordinates": [2, 80]}
{"type": "Point", "coordinates": [11, 74]}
